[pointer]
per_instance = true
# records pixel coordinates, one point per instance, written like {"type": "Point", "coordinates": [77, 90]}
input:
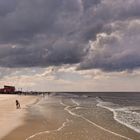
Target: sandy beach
{"type": "Point", "coordinates": [60, 119]}
{"type": "Point", "coordinates": [10, 117]}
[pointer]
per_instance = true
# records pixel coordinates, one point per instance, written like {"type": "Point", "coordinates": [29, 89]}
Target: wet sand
{"type": "Point", "coordinates": [59, 122]}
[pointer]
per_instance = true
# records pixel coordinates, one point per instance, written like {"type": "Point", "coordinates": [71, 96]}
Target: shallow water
{"type": "Point", "coordinates": [77, 116]}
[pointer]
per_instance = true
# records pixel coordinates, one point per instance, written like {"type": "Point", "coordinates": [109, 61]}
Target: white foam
{"type": "Point", "coordinates": [75, 102]}
{"type": "Point", "coordinates": [124, 115]}
{"type": "Point", "coordinates": [67, 108]}
{"type": "Point", "coordinates": [84, 96]}
{"type": "Point", "coordinates": [45, 132]}
{"type": "Point", "coordinates": [64, 95]}
{"type": "Point", "coordinates": [79, 108]}
{"type": "Point", "coordinates": [62, 103]}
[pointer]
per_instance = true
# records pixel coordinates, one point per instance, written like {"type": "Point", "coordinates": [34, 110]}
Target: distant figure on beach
{"type": "Point", "coordinates": [17, 104]}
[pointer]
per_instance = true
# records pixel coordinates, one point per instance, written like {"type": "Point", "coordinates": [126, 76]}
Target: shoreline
{"type": "Point", "coordinates": [32, 124]}
{"type": "Point", "coordinates": [12, 118]}
{"type": "Point", "coordinates": [36, 124]}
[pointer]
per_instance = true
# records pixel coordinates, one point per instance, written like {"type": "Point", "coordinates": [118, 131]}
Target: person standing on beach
{"type": "Point", "coordinates": [17, 104]}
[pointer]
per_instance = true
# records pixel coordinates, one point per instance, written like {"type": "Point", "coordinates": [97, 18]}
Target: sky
{"type": "Point", "coordinates": [70, 45]}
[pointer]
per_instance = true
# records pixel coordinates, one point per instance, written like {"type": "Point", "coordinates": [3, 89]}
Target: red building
{"type": "Point", "coordinates": [7, 89]}
{"type": "Point", "coordinates": [1, 90]}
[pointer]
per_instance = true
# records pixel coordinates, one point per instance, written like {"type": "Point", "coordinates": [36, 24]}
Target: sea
{"type": "Point", "coordinates": [89, 116]}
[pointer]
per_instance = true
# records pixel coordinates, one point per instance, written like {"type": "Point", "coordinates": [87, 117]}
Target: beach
{"type": "Point", "coordinates": [10, 117]}
{"type": "Point", "coordinates": [76, 117]}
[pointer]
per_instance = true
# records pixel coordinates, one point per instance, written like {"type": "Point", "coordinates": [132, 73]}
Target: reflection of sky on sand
{"type": "Point", "coordinates": [77, 121]}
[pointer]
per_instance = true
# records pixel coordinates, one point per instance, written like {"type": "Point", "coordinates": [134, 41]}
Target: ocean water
{"type": "Point", "coordinates": [77, 113]}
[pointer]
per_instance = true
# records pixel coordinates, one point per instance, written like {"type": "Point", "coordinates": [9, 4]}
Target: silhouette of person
{"type": "Point", "coordinates": [17, 104]}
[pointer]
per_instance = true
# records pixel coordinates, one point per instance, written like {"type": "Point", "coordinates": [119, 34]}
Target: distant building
{"type": "Point", "coordinates": [2, 90]}
{"type": "Point", "coordinates": [7, 89]}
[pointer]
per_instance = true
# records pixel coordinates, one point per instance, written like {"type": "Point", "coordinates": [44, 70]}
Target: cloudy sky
{"type": "Point", "coordinates": [70, 45]}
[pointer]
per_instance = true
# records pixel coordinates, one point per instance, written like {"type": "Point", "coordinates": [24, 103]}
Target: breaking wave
{"type": "Point", "coordinates": [127, 115]}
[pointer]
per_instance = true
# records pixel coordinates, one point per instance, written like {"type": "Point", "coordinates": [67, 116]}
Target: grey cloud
{"type": "Point", "coordinates": [8, 72]}
{"type": "Point", "coordinates": [6, 7]}
{"type": "Point", "coordinates": [40, 33]}
{"type": "Point", "coordinates": [36, 17]}
{"type": "Point", "coordinates": [41, 30]}
{"type": "Point", "coordinates": [115, 52]}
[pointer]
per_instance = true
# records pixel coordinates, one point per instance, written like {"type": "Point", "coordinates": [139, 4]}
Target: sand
{"type": "Point", "coordinates": [10, 117]}
{"type": "Point", "coordinates": [57, 122]}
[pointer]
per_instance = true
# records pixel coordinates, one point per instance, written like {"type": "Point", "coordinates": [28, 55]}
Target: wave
{"type": "Point", "coordinates": [69, 110]}
{"type": "Point", "coordinates": [126, 115]}
{"type": "Point", "coordinates": [62, 94]}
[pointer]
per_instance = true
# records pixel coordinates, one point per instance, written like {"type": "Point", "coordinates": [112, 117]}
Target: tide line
{"type": "Point", "coordinates": [98, 126]}
{"type": "Point", "coordinates": [45, 132]}
{"type": "Point", "coordinates": [75, 102]}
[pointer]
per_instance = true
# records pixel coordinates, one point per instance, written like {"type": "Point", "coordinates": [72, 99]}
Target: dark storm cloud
{"type": "Point", "coordinates": [117, 51]}
{"type": "Point", "coordinates": [41, 33]}
{"type": "Point", "coordinates": [7, 6]}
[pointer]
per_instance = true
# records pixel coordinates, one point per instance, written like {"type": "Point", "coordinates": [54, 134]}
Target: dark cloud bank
{"type": "Point", "coordinates": [103, 34]}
